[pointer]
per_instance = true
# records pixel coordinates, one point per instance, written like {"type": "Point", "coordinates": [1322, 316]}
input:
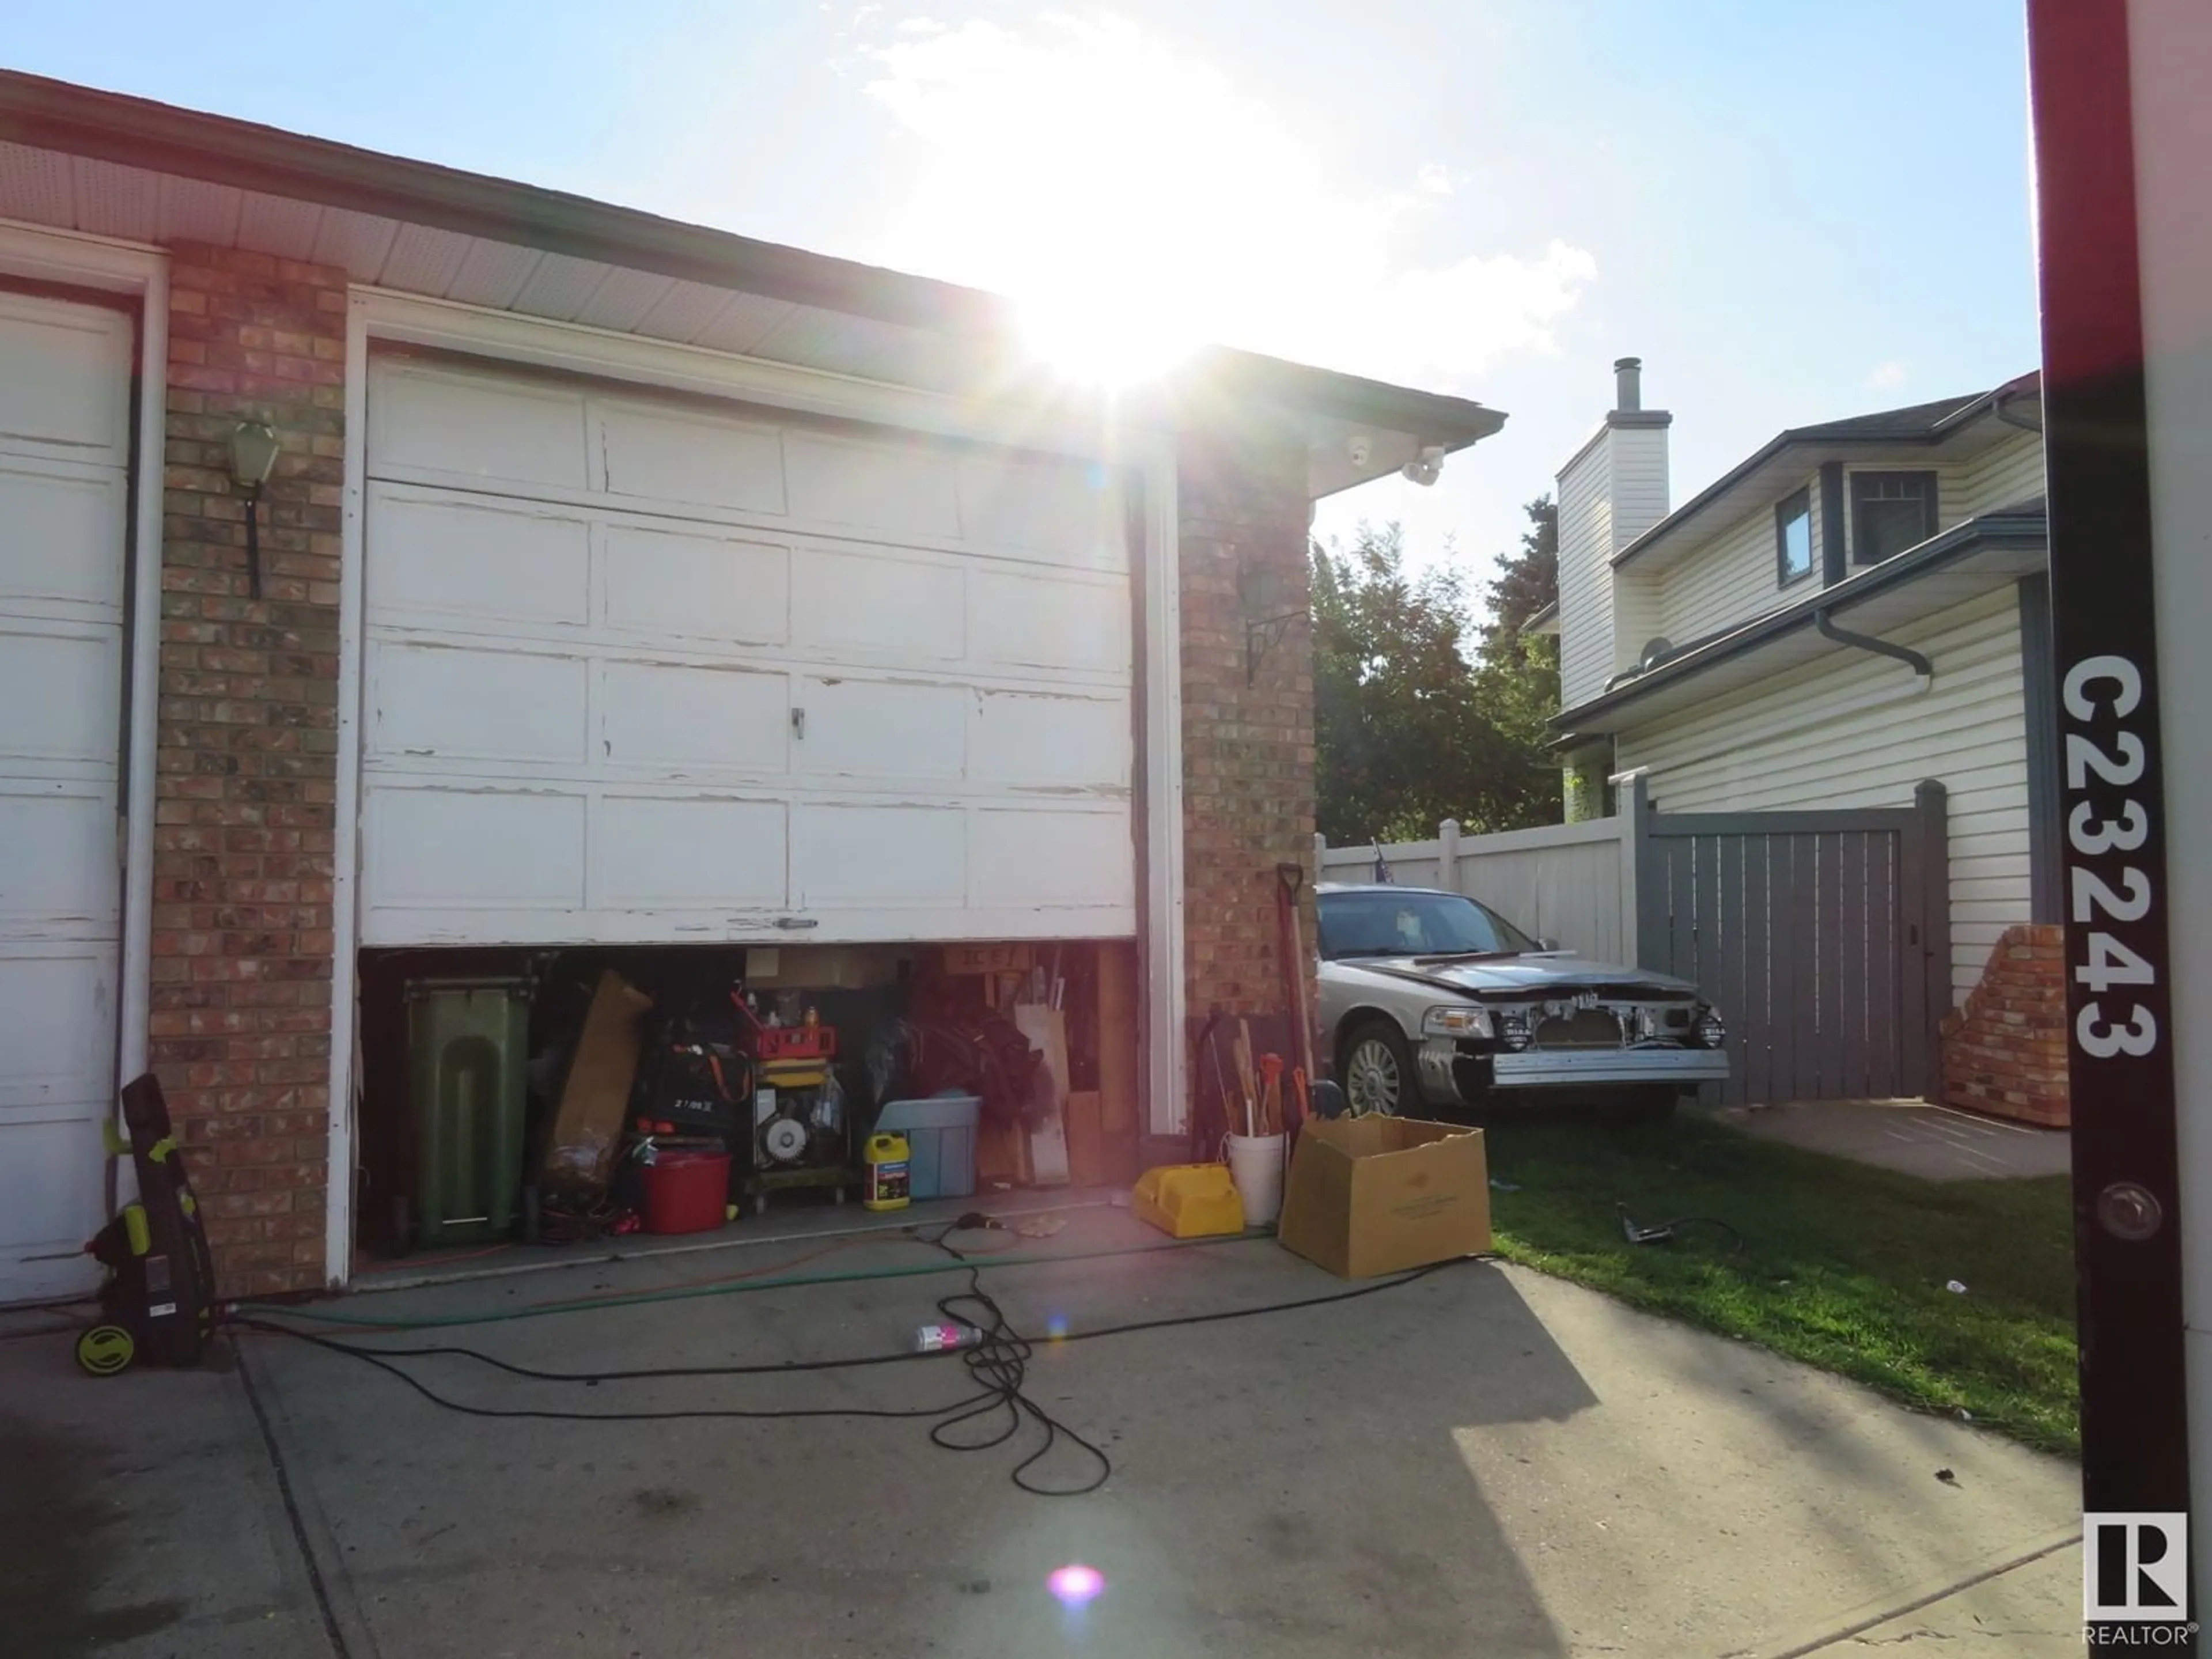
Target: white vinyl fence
{"type": "Point", "coordinates": [1570, 882]}
{"type": "Point", "coordinates": [1824, 935]}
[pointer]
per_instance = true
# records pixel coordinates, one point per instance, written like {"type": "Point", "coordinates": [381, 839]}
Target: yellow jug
{"type": "Point", "coordinates": [885, 1159]}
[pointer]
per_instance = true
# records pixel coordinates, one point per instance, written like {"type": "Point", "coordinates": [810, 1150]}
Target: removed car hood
{"type": "Point", "coordinates": [1546, 976]}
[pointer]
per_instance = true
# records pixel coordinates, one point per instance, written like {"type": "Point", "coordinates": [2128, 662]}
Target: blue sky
{"type": "Point", "coordinates": [1792, 212]}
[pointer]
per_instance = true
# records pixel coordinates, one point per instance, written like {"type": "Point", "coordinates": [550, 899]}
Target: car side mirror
{"type": "Point", "coordinates": [1549, 944]}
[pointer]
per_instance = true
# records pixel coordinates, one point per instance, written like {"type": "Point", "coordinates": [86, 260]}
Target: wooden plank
{"type": "Point", "coordinates": [1118, 1059]}
{"type": "Point", "coordinates": [1882, 1011]}
{"type": "Point", "coordinates": [1791, 987]}
{"type": "Point", "coordinates": [1931, 805]}
{"type": "Point", "coordinates": [1754, 1015]}
{"type": "Point", "coordinates": [1856, 1033]}
{"type": "Point", "coordinates": [1086, 1140]}
{"type": "Point", "coordinates": [1915, 1074]}
{"type": "Point", "coordinates": [1681, 916]}
{"type": "Point", "coordinates": [1711, 942]}
{"type": "Point", "coordinates": [1733, 945]}
{"type": "Point", "coordinates": [1828, 923]}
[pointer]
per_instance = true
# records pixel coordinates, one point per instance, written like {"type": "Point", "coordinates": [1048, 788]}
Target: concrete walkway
{"type": "Point", "coordinates": [1483, 1461]}
{"type": "Point", "coordinates": [1936, 1143]}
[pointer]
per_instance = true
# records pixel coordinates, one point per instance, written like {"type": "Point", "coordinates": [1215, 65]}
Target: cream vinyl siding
{"type": "Point", "coordinates": [1969, 732]}
{"type": "Point", "coordinates": [1585, 576]}
{"type": "Point", "coordinates": [2009, 473]}
{"type": "Point", "coordinates": [1732, 578]}
{"type": "Point", "coordinates": [1640, 481]}
{"type": "Point", "coordinates": [1639, 500]}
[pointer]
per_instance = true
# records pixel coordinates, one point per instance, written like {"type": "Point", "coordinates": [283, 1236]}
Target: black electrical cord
{"type": "Point", "coordinates": [1663, 1232]}
{"type": "Point", "coordinates": [996, 1361]}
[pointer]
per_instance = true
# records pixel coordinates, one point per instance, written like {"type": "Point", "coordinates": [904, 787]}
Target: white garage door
{"type": "Point", "coordinates": [64, 490]}
{"type": "Point", "coordinates": [646, 670]}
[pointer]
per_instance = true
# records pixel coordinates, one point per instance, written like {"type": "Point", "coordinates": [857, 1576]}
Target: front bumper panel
{"type": "Point", "coordinates": [1449, 1073]}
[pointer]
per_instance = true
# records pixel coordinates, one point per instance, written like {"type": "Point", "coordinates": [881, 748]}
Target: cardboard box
{"type": "Point", "coordinates": [1373, 1195]}
{"type": "Point", "coordinates": [595, 1101]}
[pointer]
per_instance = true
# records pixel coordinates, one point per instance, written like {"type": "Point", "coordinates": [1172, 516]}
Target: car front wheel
{"type": "Point", "coordinates": [1378, 1071]}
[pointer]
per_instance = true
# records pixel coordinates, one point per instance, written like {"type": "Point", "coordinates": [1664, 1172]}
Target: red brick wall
{"type": "Point", "coordinates": [1248, 754]}
{"type": "Point", "coordinates": [248, 742]}
{"type": "Point", "coordinates": [2005, 1052]}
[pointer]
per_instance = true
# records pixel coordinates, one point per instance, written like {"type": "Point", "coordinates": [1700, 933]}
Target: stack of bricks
{"type": "Point", "coordinates": [248, 743]}
{"type": "Point", "coordinates": [2005, 1052]}
{"type": "Point", "coordinates": [1248, 750]}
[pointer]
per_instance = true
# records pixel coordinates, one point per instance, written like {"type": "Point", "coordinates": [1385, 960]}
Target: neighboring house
{"type": "Point", "coordinates": [621, 582]}
{"type": "Point", "coordinates": [1859, 606]}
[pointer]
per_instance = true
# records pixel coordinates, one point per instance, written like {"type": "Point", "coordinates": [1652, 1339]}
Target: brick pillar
{"type": "Point", "coordinates": [2004, 1053]}
{"type": "Point", "coordinates": [241, 1033]}
{"type": "Point", "coordinates": [1247, 750]}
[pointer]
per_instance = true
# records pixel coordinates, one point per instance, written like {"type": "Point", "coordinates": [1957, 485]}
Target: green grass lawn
{"type": "Point", "coordinates": [1843, 1265]}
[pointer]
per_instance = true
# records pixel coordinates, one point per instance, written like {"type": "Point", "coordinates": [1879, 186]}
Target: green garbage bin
{"type": "Point", "coordinates": [467, 1041]}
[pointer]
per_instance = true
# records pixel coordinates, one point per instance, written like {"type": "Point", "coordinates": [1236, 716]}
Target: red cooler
{"type": "Point", "coordinates": [687, 1192]}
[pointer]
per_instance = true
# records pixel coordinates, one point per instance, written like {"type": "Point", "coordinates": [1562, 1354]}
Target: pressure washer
{"type": "Point", "coordinates": [158, 1301]}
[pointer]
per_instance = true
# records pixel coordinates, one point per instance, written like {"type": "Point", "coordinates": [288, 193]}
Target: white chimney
{"type": "Point", "coordinates": [1611, 491]}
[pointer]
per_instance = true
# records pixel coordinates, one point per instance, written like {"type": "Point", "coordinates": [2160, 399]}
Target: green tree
{"type": "Point", "coordinates": [1517, 673]}
{"type": "Point", "coordinates": [1405, 734]}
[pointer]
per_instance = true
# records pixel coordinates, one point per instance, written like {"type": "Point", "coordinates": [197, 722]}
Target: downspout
{"type": "Point", "coordinates": [1923, 682]}
{"type": "Point", "coordinates": [1912, 659]}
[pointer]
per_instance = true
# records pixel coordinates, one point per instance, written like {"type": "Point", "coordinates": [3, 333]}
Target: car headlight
{"type": "Point", "coordinates": [1513, 1030]}
{"type": "Point", "coordinates": [1457, 1021]}
{"type": "Point", "coordinates": [1706, 1030]}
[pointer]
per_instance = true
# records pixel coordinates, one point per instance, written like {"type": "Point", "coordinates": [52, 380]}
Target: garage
{"type": "Point", "coordinates": [625, 596]}
{"type": "Point", "coordinates": [64, 497]}
{"type": "Point", "coordinates": [685, 695]}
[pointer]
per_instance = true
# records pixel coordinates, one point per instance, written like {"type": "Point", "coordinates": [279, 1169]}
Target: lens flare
{"type": "Point", "coordinates": [1075, 1586]}
{"type": "Point", "coordinates": [1055, 1327]}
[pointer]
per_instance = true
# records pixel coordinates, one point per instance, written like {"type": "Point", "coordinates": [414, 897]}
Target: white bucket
{"type": "Point", "coordinates": [1256, 1164]}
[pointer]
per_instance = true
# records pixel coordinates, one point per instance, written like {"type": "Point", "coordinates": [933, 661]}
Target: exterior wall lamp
{"type": "Point", "coordinates": [253, 450]}
{"type": "Point", "coordinates": [1270, 606]}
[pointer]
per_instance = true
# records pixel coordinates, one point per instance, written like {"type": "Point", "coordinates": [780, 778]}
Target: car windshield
{"type": "Point", "coordinates": [1379, 922]}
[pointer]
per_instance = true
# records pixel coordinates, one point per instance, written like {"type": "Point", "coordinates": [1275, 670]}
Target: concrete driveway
{"type": "Point", "coordinates": [1483, 1461]}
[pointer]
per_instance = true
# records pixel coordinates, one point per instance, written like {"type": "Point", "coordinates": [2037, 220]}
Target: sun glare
{"type": "Point", "coordinates": [1122, 194]}
{"type": "Point", "coordinates": [1103, 341]}
{"type": "Point", "coordinates": [1136, 200]}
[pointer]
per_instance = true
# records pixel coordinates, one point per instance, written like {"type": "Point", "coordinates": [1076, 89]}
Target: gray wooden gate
{"type": "Point", "coordinates": [1822, 936]}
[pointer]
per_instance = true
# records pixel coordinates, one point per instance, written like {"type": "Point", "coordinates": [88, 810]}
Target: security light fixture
{"type": "Point", "coordinates": [253, 450]}
{"type": "Point", "coordinates": [1269, 607]}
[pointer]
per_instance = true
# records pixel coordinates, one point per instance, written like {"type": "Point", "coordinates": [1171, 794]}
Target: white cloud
{"type": "Point", "coordinates": [1887, 376]}
{"type": "Point", "coordinates": [922, 26]}
{"type": "Point", "coordinates": [1093, 168]}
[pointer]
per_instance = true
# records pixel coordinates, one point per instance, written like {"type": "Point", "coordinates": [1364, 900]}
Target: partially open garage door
{"type": "Point", "coordinates": [641, 670]}
{"type": "Point", "coordinates": [64, 494]}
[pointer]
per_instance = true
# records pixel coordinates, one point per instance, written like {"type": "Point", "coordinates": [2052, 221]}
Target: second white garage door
{"type": "Point", "coordinates": [64, 496]}
{"type": "Point", "coordinates": [643, 671]}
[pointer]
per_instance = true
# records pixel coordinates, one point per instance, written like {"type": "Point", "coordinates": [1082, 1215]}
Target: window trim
{"type": "Point", "coordinates": [1795, 505]}
{"type": "Point", "coordinates": [1926, 477]}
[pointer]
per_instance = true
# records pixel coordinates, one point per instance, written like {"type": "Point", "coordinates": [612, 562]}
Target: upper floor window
{"type": "Point", "coordinates": [1793, 537]}
{"type": "Point", "coordinates": [1890, 512]}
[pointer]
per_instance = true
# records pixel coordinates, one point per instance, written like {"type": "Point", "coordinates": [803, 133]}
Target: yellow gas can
{"type": "Point", "coordinates": [886, 1160]}
{"type": "Point", "coordinates": [1188, 1200]}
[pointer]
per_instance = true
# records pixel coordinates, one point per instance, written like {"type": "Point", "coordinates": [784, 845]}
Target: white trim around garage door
{"type": "Point", "coordinates": [374, 314]}
{"type": "Point", "coordinates": [37, 254]}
